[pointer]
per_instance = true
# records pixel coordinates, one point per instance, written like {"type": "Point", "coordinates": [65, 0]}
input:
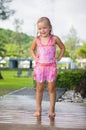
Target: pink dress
{"type": "Point", "coordinates": [45, 68]}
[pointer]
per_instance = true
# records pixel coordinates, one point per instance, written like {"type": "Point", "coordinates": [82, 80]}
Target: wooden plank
{"type": "Point", "coordinates": [19, 110]}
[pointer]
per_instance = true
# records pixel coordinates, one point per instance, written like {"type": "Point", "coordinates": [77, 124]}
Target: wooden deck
{"type": "Point", "coordinates": [16, 113]}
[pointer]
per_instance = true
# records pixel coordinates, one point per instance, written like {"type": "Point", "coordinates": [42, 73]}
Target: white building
{"type": "Point", "coordinates": [68, 63]}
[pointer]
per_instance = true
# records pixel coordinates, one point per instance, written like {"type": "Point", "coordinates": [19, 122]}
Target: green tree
{"type": "Point", "coordinates": [71, 41]}
{"type": "Point", "coordinates": [67, 53]}
{"type": "Point", "coordinates": [11, 50]}
{"type": "Point", "coordinates": [22, 42]}
{"type": "Point", "coordinates": [2, 50]}
{"type": "Point", "coordinates": [81, 52]}
{"type": "Point", "coordinates": [5, 11]}
{"type": "Point", "coordinates": [17, 36]}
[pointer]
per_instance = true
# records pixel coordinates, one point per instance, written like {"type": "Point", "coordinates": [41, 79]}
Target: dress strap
{"type": "Point", "coordinates": [51, 38]}
{"type": "Point", "coordinates": [50, 41]}
{"type": "Point", "coordinates": [39, 41]}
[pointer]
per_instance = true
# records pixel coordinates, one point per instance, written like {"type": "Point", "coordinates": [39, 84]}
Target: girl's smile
{"type": "Point", "coordinates": [43, 29]}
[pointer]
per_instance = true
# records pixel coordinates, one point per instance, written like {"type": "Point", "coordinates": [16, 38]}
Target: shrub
{"type": "Point", "coordinates": [69, 78]}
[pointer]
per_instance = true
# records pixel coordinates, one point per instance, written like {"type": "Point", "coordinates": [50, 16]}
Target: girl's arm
{"type": "Point", "coordinates": [33, 48]}
{"type": "Point", "coordinates": [61, 46]}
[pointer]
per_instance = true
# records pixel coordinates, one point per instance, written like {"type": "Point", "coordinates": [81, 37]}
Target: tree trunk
{"type": "Point", "coordinates": [82, 87]}
{"type": "Point", "coordinates": [1, 77]}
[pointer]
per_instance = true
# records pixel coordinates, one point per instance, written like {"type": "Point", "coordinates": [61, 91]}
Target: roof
{"type": "Point", "coordinates": [65, 60]}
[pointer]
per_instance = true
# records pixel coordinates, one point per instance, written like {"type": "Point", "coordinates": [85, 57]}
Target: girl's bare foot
{"type": "Point", "coordinates": [37, 114]}
{"type": "Point", "coordinates": [51, 115]}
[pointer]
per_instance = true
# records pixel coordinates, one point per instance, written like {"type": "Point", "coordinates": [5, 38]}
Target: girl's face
{"type": "Point", "coordinates": [43, 29]}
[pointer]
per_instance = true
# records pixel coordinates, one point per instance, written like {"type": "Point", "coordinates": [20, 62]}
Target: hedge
{"type": "Point", "coordinates": [69, 79]}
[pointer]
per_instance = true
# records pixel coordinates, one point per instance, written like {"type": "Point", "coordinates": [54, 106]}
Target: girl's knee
{"type": "Point", "coordinates": [52, 90]}
{"type": "Point", "coordinates": [40, 89]}
{"type": "Point", "coordinates": [51, 87]}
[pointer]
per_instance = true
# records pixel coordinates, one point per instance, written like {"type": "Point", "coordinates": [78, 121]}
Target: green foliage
{"type": "Point", "coordinates": [71, 41]}
{"type": "Point", "coordinates": [69, 78]}
{"type": "Point", "coordinates": [5, 11]}
{"type": "Point", "coordinates": [81, 52]}
{"type": "Point", "coordinates": [67, 53]}
{"type": "Point", "coordinates": [14, 44]}
{"type": "Point", "coordinates": [8, 36]}
{"type": "Point", "coordinates": [11, 50]}
{"type": "Point", "coordinates": [2, 50]}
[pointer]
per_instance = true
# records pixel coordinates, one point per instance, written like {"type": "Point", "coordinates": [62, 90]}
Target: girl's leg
{"type": "Point", "coordinates": [52, 94]}
{"type": "Point", "coordinates": [39, 94]}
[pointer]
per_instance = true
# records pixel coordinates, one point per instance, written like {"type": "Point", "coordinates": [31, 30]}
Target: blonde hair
{"type": "Point", "coordinates": [47, 21]}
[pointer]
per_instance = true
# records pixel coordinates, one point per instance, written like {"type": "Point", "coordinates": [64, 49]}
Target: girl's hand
{"type": "Point", "coordinates": [36, 59]}
{"type": "Point", "coordinates": [57, 59]}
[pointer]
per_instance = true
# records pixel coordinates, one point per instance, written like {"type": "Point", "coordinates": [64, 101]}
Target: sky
{"type": "Point", "coordinates": [63, 15]}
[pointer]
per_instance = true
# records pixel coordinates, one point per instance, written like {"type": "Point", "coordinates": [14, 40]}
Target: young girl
{"type": "Point", "coordinates": [43, 50]}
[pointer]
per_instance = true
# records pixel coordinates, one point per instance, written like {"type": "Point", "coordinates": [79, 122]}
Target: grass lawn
{"type": "Point", "coordinates": [11, 82]}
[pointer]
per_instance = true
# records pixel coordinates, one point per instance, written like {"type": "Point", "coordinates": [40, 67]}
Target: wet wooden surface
{"type": "Point", "coordinates": [16, 113]}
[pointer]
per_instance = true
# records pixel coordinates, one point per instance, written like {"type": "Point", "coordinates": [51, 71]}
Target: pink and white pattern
{"type": "Point", "coordinates": [45, 68]}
